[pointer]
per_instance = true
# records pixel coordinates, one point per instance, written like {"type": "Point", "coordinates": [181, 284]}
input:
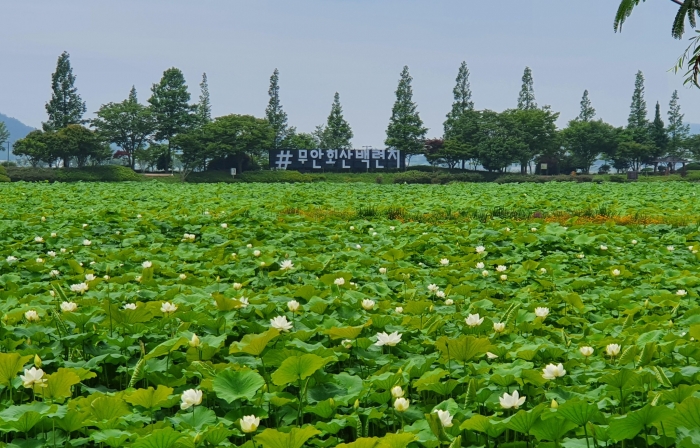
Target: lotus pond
{"type": "Point", "coordinates": [154, 315]}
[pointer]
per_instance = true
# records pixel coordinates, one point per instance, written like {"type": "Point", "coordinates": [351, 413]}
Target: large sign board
{"type": "Point", "coordinates": [336, 159]}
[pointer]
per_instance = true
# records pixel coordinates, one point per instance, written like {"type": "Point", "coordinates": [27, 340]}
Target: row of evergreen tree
{"type": "Point", "coordinates": [170, 126]}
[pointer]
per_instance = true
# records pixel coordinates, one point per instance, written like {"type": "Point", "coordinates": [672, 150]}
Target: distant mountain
{"type": "Point", "coordinates": [17, 129]}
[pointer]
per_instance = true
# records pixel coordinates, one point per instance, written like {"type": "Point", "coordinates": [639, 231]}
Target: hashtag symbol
{"type": "Point", "coordinates": [284, 159]}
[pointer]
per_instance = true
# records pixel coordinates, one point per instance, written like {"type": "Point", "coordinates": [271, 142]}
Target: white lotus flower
{"type": "Point", "coordinates": [552, 372]}
{"type": "Point", "coordinates": [249, 423]}
{"type": "Point", "coordinates": [11, 259]}
{"type": "Point", "coordinates": [449, 302]}
{"type": "Point", "coordinates": [511, 401]}
{"type": "Point", "coordinates": [440, 294]}
{"type": "Point", "coordinates": [681, 292]}
{"type": "Point", "coordinates": [586, 351]}
{"type": "Point", "coordinates": [603, 247]}
{"type": "Point", "coordinates": [257, 253]}
{"type": "Point", "coordinates": [397, 392]}
{"type": "Point", "coordinates": [54, 234]}
{"type": "Point", "coordinates": [54, 273]}
{"type": "Point", "coordinates": [634, 241]}
{"type": "Point", "coordinates": [52, 293]}
{"type": "Point", "coordinates": [445, 262]}
{"type": "Point", "coordinates": [281, 323]}
{"type": "Point", "coordinates": [33, 377]}
{"type": "Point", "coordinates": [473, 320]}
{"type": "Point", "coordinates": [293, 306]}
{"type": "Point", "coordinates": [501, 268]}
{"type": "Point", "coordinates": [130, 306]}
{"type": "Point", "coordinates": [189, 237]}
{"type": "Point", "coordinates": [543, 270]}
{"type": "Point", "coordinates": [542, 312]}
{"type": "Point", "coordinates": [433, 288]}
{"type": "Point", "coordinates": [87, 242]}
{"type": "Point", "coordinates": [503, 277]}
{"type": "Point", "coordinates": [168, 308]}
{"type": "Point", "coordinates": [39, 260]}
{"type": "Point", "coordinates": [368, 304]}
{"type": "Point", "coordinates": [615, 272]}
{"type": "Point", "coordinates": [84, 225]}
{"type": "Point", "coordinates": [670, 248]}
{"type": "Point", "coordinates": [533, 229]}
{"type": "Point", "coordinates": [490, 355]}
{"type": "Point", "coordinates": [352, 227]}
{"type": "Point", "coordinates": [80, 288]}
{"type": "Point", "coordinates": [194, 341]}
{"type": "Point", "coordinates": [90, 277]}
{"type": "Point", "coordinates": [224, 225]}
{"type": "Point", "coordinates": [399, 309]}
{"type": "Point", "coordinates": [190, 397]}
{"type": "Point", "coordinates": [499, 327]}
{"type": "Point", "coordinates": [243, 302]}
{"type": "Point", "coordinates": [401, 404]}
{"type": "Point", "coordinates": [382, 271]}
{"type": "Point", "coordinates": [31, 316]}
{"type": "Point", "coordinates": [388, 339]}
{"type": "Point", "coordinates": [480, 265]}
{"type": "Point", "coordinates": [581, 256]}
{"type": "Point", "coordinates": [286, 265]}
{"type": "Point", "coordinates": [146, 264]}
{"type": "Point", "coordinates": [392, 228]}
{"type": "Point", "coordinates": [340, 281]}
{"type": "Point", "coordinates": [347, 343]}
{"type": "Point", "coordinates": [63, 250]}
{"type": "Point", "coordinates": [69, 307]}
{"type": "Point", "coordinates": [38, 239]}
{"type": "Point", "coordinates": [237, 286]}
{"type": "Point", "coordinates": [485, 273]}
{"type": "Point", "coordinates": [612, 349]}
{"type": "Point", "coordinates": [445, 418]}
{"type": "Point", "coordinates": [182, 276]}
{"type": "Point", "coordinates": [51, 253]}
{"type": "Point", "coordinates": [479, 249]}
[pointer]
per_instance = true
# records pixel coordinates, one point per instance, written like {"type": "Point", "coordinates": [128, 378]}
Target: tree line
{"type": "Point", "coordinates": [170, 127]}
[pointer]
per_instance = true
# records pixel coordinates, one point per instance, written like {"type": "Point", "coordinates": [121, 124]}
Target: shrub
{"type": "Point", "coordinates": [275, 176]}
{"type": "Point", "coordinates": [106, 173]}
{"type": "Point", "coordinates": [3, 174]}
{"type": "Point", "coordinates": [413, 177]}
{"type": "Point", "coordinates": [693, 166]}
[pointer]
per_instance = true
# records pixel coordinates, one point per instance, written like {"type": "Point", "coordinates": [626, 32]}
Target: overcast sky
{"type": "Point", "coordinates": [355, 47]}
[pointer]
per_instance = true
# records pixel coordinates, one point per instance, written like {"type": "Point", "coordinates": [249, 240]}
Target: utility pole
{"type": "Point", "coordinates": [8, 152]}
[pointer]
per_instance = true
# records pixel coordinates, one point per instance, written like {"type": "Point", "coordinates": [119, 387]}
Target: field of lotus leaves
{"type": "Point", "coordinates": [154, 315]}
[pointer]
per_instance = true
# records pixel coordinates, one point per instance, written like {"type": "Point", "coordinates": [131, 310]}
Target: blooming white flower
{"type": "Point", "coordinates": [543, 270]}
{"type": "Point", "coordinates": [130, 306]}
{"type": "Point", "coordinates": [84, 225]}
{"type": "Point", "coordinates": [445, 418]}
{"type": "Point", "coordinates": [63, 250]}
{"type": "Point", "coordinates": [504, 277]}
{"type": "Point", "coordinates": [612, 349]}
{"type": "Point", "coordinates": [80, 288]}
{"type": "Point", "coordinates": [224, 225]}
{"type": "Point", "coordinates": [581, 256]}
{"type": "Point", "coordinates": [603, 247]}
{"type": "Point", "coordinates": [38, 239]}
{"type": "Point", "coordinates": [586, 351]}
{"type": "Point", "coordinates": [374, 233]}
{"type": "Point", "coordinates": [43, 218]}
{"type": "Point", "coordinates": [388, 339]}
{"type": "Point", "coordinates": [146, 264]}
{"type": "Point", "coordinates": [399, 309]}
{"type": "Point", "coordinates": [182, 276]}
{"type": "Point", "coordinates": [249, 423]}
{"type": "Point", "coordinates": [90, 277]}
{"type": "Point", "coordinates": [52, 293]}
{"type": "Point", "coordinates": [368, 304]}
{"type": "Point", "coordinates": [194, 341]}
{"type": "Point", "coordinates": [401, 404]}
{"type": "Point", "coordinates": [357, 246]}
{"type": "Point", "coordinates": [206, 212]}
{"type": "Point", "coordinates": [445, 262]}
{"type": "Point", "coordinates": [449, 302]}
{"type": "Point", "coordinates": [480, 265]}
{"type": "Point", "coordinates": [501, 268]}
{"type": "Point", "coordinates": [440, 294]}
{"type": "Point", "coordinates": [479, 249]}
{"type": "Point", "coordinates": [11, 259]}
{"type": "Point", "coordinates": [39, 260]}
{"type": "Point", "coordinates": [392, 228]}
{"type": "Point", "coordinates": [237, 286]}
{"type": "Point", "coordinates": [54, 273]}
{"type": "Point", "coordinates": [499, 327]}
{"type": "Point", "coordinates": [615, 272]}
{"type": "Point", "coordinates": [243, 302]}
{"type": "Point", "coordinates": [490, 355]}
{"type": "Point", "coordinates": [473, 320]}
{"type": "Point", "coordinates": [670, 248]}
{"type": "Point", "coordinates": [190, 397]}
{"type": "Point", "coordinates": [286, 265]}
{"type": "Point", "coordinates": [634, 241]}
{"type": "Point", "coordinates": [54, 234]}
{"type": "Point", "coordinates": [33, 377]}
{"type": "Point", "coordinates": [352, 227]}
{"type": "Point", "coordinates": [340, 281]}
{"type": "Point", "coordinates": [168, 308]}
{"type": "Point", "coordinates": [552, 372]}
{"type": "Point", "coordinates": [533, 229]}
{"type": "Point", "coordinates": [51, 253]}
{"type": "Point", "coordinates": [541, 312]}
{"type": "Point", "coordinates": [485, 273]}
{"type": "Point", "coordinates": [281, 323]}
{"type": "Point", "coordinates": [347, 343]}
{"type": "Point", "coordinates": [257, 253]}
{"type": "Point", "coordinates": [681, 292]}
{"type": "Point", "coordinates": [433, 288]}
{"type": "Point", "coordinates": [293, 306]}
{"type": "Point", "coordinates": [382, 271]}
{"type": "Point", "coordinates": [397, 392]}
{"type": "Point", "coordinates": [188, 237]}
{"type": "Point", "coordinates": [507, 229]}
{"type": "Point", "coordinates": [69, 307]}
{"type": "Point", "coordinates": [87, 242]}
{"type": "Point", "coordinates": [31, 316]}
{"type": "Point", "coordinates": [511, 401]}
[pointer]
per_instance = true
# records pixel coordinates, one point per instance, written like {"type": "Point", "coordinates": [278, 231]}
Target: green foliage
{"type": "Point", "coordinates": [405, 131]}
{"type": "Point", "coordinates": [587, 140]}
{"type": "Point", "coordinates": [65, 107]}
{"type": "Point", "coordinates": [526, 98]}
{"type": "Point", "coordinates": [204, 105]}
{"type": "Point", "coordinates": [336, 133]}
{"type": "Point", "coordinates": [587, 111]}
{"type": "Point", "coordinates": [276, 117]}
{"type": "Point", "coordinates": [105, 173]}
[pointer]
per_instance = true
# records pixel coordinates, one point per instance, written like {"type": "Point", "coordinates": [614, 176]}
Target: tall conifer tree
{"type": "Point", "coordinates": [274, 113]}
{"type": "Point", "coordinates": [526, 99]}
{"type": "Point", "coordinates": [462, 94]}
{"type": "Point", "coordinates": [405, 131]}
{"type": "Point", "coordinates": [336, 134]}
{"type": "Point", "coordinates": [204, 105]}
{"type": "Point", "coordinates": [65, 107]}
{"type": "Point", "coordinates": [677, 131]}
{"type": "Point", "coordinates": [587, 111]}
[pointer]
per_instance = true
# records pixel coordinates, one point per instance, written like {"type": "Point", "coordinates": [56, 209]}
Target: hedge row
{"type": "Point", "coordinates": [106, 173]}
{"type": "Point", "coordinates": [418, 177]}
{"type": "Point", "coordinates": [3, 175]}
